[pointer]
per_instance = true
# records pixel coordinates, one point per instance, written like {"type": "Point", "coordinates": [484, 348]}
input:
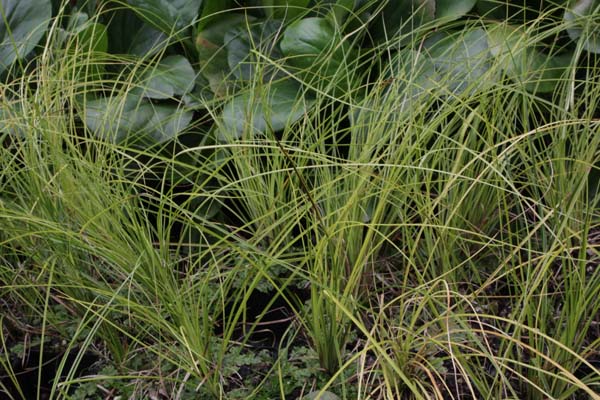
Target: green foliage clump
{"type": "Point", "coordinates": [300, 199]}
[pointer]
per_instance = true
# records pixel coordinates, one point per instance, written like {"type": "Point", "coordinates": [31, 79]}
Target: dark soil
{"type": "Point", "coordinates": [28, 373]}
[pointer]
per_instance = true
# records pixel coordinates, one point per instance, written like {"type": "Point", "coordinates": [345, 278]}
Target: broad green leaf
{"type": "Point", "coordinates": [164, 121]}
{"type": "Point", "coordinates": [505, 39]}
{"type": "Point", "coordinates": [212, 11]}
{"type": "Point", "coordinates": [172, 76]}
{"type": "Point", "coordinates": [22, 25]}
{"type": "Point", "coordinates": [409, 76]}
{"type": "Point", "coordinates": [197, 98]}
{"type": "Point", "coordinates": [212, 37]}
{"type": "Point", "coordinates": [407, 82]}
{"type": "Point", "coordinates": [450, 10]}
{"type": "Point", "coordinates": [241, 40]}
{"type": "Point", "coordinates": [77, 21]}
{"type": "Point", "coordinates": [342, 8]}
{"type": "Point", "coordinates": [285, 9]}
{"type": "Point", "coordinates": [306, 39]}
{"type": "Point", "coordinates": [134, 120]}
{"type": "Point", "coordinates": [271, 108]}
{"type": "Point", "coordinates": [461, 58]}
{"type": "Point", "coordinates": [89, 36]}
{"type": "Point", "coordinates": [212, 54]}
{"type": "Point", "coordinates": [356, 17]}
{"type": "Point", "coordinates": [128, 34]}
{"type": "Point", "coordinates": [93, 38]}
{"type": "Point", "coordinates": [315, 48]}
{"type": "Point", "coordinates": [542, 73]}
{"type": "Point", "coordinates": [91, 46]}
{"type": "Point", "coordinates": [584, 19]}
{"type": "Point", "coordinates": [147, 41]}
{"type": "Point", "coordinates": [537, 71]}
{"type": "Point", "coordinates": [169, 16]}
{"type": "Point", "coordinates": [402, 17]}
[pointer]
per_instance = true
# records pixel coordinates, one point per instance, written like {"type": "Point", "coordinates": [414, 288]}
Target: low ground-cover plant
{"type": "Point", "coordinates": [300, 199]}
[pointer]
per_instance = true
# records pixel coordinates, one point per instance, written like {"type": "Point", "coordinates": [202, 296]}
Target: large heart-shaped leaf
{"type": "Point", "coordinates": [461, 58]}
{"type": "Point", "coordinates": [172, 76]}
{"type": "Point", "coordinates": [93, 37]}
{"type": "Point", "coordinates": [88, 41]}
{"type": "Point", "coordinates": [212, 11]}
{"type": "Point", "coordinates": [271, 108]}
{"type": "Point", "coordinates": [128, 34]}
{"type": "Point", "coordinates": [402, 17]}
{"type": "Point", "coordinates": [198, 98]}
{"type": "Point", "coordinates": [288, 9]}
{"type": "Point", "coordinates": [406, 83]}
{"type": "Point", "coordinates": [212, 53]}
{"type": "Point", "coordinates": [146, 41]}
{"type": "Point", "coordinates": [450, 10]}
{"type": "Point", "coordinates": [90, 36]}
{"type": "Point", "coordinates": [537, 71]}
{"type": "Point", "coordinates": [22, 25]}
{"type": "Point", "coordinates": [584, 20]}
{"type": "Point", "coordinates": [169, 16]}
{"type": "Point", "coordinates": [315, 48]}
{"type": "Point", "coordinates": [306, 39]}
{"type": "Point", "coordinates": [134, 120]}
{"type": "Point", "coordinates": [409, 76]}
{"type": "Point", "coordinates": [240, 42]}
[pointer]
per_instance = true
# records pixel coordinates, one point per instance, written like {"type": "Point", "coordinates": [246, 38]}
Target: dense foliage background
{"type": "Point", "coordinates": [299, 199]}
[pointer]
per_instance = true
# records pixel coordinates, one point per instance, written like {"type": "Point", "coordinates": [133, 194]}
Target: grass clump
{"type": "Point", "coordinates": [429, 231]}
